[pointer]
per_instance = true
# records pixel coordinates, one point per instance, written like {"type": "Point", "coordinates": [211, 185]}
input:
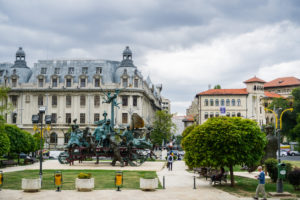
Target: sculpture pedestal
{"type": "Point", "coordinates": [85, 185]}
{"type": "Point", "coordinates": [148, 184]}
{"type": "Point", "coordinates": [31, 185]}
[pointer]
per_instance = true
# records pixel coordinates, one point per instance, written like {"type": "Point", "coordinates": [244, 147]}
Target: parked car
{"type": "Point", "coordinates": [282, 153]}
{"type": "Point", "coordinates": [293, 153]}
{"type": "Point", "coordinates": [23, 155]}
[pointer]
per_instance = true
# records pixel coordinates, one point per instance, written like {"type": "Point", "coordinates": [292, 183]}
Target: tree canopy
{"type": "Point", "coordinates": [224, 141]}
{"type": "Point", "coordinates": [162, 128]}
{"type": "Point", "coordinates": [217, 86]}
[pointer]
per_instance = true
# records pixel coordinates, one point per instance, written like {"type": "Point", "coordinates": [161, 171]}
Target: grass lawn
{"type": "Point", "coordinates": [246, 187]}
{"type": "Point", "coordinates": [294, 163]}
{"type": "Point", "coordinates": [104, 179]}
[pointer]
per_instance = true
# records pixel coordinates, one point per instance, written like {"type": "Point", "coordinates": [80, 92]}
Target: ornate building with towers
{"type": "Point", "coordinates": [72, 89]}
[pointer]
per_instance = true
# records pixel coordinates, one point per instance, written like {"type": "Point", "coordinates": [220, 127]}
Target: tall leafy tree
{"type": "Point", "coordinates": [4, 140]}
{"type": "Point", "coordinates": [162, 128]}
{"type": "Point", "coordinates": [225, 141]}
{"type": "Point", "coordinates": [217, 86]}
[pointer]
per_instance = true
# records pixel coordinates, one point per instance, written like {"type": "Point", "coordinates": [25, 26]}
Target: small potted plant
{"type": "Point", "coordinates": [84, 182]}
{"type": "Point", "coordinates": [148, 182]}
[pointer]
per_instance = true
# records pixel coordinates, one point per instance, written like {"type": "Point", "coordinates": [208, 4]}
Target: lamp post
{"type": "Point", "coordinates": [278, 121]}
{"type": "Point", "coordinates": [35, 120]}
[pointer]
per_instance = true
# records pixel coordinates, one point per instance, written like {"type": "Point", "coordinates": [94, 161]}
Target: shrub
{"type": "Point", "coordinates": [294, 178]}
{"type": "Point", "coordinates": [84, 175]}
{"type": "Point", "coordinates": [271, 165]}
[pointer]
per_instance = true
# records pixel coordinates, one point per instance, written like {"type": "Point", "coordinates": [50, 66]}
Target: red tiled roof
{"type": "Point", "coordinates": [223, 92]}
{"type": "Point", "coordinates": [254, 79]}
{"type": "Point", "coordinates": [188, 118]}
{"type": "Point", "coordinates": [272, 95]}
{"type": "Point", "coordinates": [283, 81]}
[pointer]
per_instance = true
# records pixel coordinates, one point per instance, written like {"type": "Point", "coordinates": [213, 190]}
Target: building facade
{"type": "Point", "coordinates": [166, 105]}
{"type": "Point", "coordinates": [246, 102]}
{"type": "Point", "coordinates": [75, 89]}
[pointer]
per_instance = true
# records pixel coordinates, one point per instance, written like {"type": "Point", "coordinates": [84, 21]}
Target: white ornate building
{"type": "Point", "coordinates": [72, 89]}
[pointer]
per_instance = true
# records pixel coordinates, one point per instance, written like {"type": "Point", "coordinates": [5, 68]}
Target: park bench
{"type": "Point", "coordinates": [5, 163]}
{"type": "Point", "coordinates": [220, 179]}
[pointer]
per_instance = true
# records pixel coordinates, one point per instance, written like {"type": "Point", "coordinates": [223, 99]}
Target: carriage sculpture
{"type": "Point", "coordinates": [128, 147]}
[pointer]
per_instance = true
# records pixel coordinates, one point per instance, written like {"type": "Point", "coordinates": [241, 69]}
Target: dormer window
{"type": "Point", "coordinates": [54, 82]}
{"type": "Point", "coordinates": [14, 82]}
{"type": "Point", "coordinates": [84, 70]}
{"type": "Point", "coordinates": [136, 83]}
{"type": "Point", "coordinates": [82, 82]}
{"type": "Point", "coordinates": [56, 70]}
{"type": "Point", "coordinates": [97, 82]}
{"type": "Point", "coordinates": [68, 82]}
{"type": "Point", "coordinates": [125, 82]}
{"type": "Point", "coordinates": [41, 82]}
{"type": "Point", "coordinates": [43, 70]}
{"type": "Point", "coordinates": [71, 70]}
{"type": "Point", "coordinates": [98, 70]}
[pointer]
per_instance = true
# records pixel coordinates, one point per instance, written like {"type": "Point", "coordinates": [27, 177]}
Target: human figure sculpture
{"type": "Point", "coordinates": [272, 145]}
{"type": "Point", "coordinates": [75, 136]}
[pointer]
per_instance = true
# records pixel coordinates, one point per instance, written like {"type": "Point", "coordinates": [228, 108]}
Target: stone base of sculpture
{"type": "Point", "coordinates": [31, 185]}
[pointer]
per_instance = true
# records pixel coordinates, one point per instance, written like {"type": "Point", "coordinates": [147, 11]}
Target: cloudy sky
{"type": "Point", "coordinates": [185, 45]}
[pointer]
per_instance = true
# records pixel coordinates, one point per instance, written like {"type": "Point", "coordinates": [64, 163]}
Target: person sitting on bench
{"type": "Point", "coordinates": [218, 176]}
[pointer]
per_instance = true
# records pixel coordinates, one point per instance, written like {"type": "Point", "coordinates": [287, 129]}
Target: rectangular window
{"type": "Point", "coordinates": [82, 118]}
{"type": "Point", "coordinates": [40, 100]}
{"type": "Point", "coordinates": [71, 70]}
{"type": "Point", "coordinates": [82, 82]}
{"type": "Point", "coordinates": [41, 82]}
{"type": "Point", "coordinates": [206, 115]}
{"type": "Point", "coordinates": [54, 82]}
{"type": "Point", "coordinates": [125, 82]}
{"type": "Point", "coordinates": [54, 100]}
{"type": "Point", "coordinates": [124, 118]}
{"type": "Point", "coordinates": [43, 70]}
{"type": "Point", "coordinates": [56, 70]}
{"type": "Point", "coordinates": [27, 99]}
{"type": "Point", "coordinates": [82, 100]}
{"type": "Point", "coordinates": [228, 114]}
{"type": "Point", "coordinates": [96, 100]}
{"type": "Point", "coordinates": [96, 117]}
{"type": "Point", "coordinates": [136, 83]}
{"type": "Point", "coordinates": [68, 118]}
{"type": "Point", "coordinates": [135, 98]}
{"type": "Point", "coordinates": [233, 114]}
{"type": "Point", "coordinates": [14, 82]}
{"type": "Point", "coordinates": [124, 100]}
{"type": "Point", "coordinates": [206, 102]}
{"type": "Point", "coordinates": [211, 102]}
{"type": "Point", "coordinates": [69, 82]}
{"type": "Point", "coordinates": [211, 115]}
{"type": "Point", "coordinates": [14, 100]}
{"type": "Point", "coordinates": [217, 114]}
{"type": "Point", "coordinates": [68, 101]}
{"type": "Point", "coordinates": [53, 118]}
{"type": "Point", "coordinates": [98, 70]}
{"type": "Point", "coordinates": [97, 82]}
{"type": "Point", "coordinates": [84, 70]}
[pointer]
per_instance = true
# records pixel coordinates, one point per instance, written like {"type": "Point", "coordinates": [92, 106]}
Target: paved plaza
{"type": "Point", "coordinates": [179, 185]}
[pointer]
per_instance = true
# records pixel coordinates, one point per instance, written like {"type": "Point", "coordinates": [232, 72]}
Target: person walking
{"type": "Point", "coordinates": [261, 184]}
{"type": "Point", "coordinates": [170, 161]}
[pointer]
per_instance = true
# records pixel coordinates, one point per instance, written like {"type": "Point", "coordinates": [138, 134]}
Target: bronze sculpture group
{"type": "Point", "coordinates": [127, 147]}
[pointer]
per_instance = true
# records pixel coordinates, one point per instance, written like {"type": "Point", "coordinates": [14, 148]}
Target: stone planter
{"type": "Point", "coordinates": [148, 184]}
{"type": "Point", "coordinates": [85, 185]}
{"type": "Point", "coordinates": [31, 185]}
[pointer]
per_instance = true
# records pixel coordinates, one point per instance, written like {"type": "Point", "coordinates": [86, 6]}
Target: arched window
{"type": "Point", "coordinates": [254, 87]}
{"type": "Point", "coordinates": [239, 114]}
{"type": "Point", "coordinates": [53, 138]}
{"type": "Point", "coordinates": [227, 102]}
{"type": "Point", "coordinates": [211, 102]}
{"type": "Point", "coordinates": [233, 114]}
{"type": "Point", "coordinates": [217, 102]}
{"type": "Point", "coordinates": [217, 114]}
{"type": "Point", "coordinates": [233, 102]}
{"type": "Point", "coordinates": [228, 114]}
{"type": "Point", "coordinates": [222, 102]}
{"type": "Point", "coordinates": [238, 102]}
{"type": "Point", "coordinates": [206, 102]}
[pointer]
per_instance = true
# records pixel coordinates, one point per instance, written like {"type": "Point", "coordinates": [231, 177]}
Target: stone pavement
{"type": "Point", "coordinates": [179, 186]}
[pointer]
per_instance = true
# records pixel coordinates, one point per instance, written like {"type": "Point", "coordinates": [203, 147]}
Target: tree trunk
{"type": "Point", "coordinates": [19, 159]}
{"type": "Point", "coordinates": [231, 175]}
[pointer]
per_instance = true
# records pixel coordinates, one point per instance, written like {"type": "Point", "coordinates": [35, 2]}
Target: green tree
{"type": "Point", "coordinates": [187, 130]}
{"type": "Point", "coordinates": [225, 141]}
{"type": "Point", "coordinates": [162, 128]}
{"type": "Point", "coordinates": [217, 86]}
{"type": "Point", "coordinates": [37, 139]}
{"type": "Point", "coordinates": [4, 140]}
{"type": "Point", "coordinates": [19, 140]}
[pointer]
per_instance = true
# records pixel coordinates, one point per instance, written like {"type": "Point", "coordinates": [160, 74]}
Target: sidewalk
{"type": "Point", "coordinates": [179, 186]}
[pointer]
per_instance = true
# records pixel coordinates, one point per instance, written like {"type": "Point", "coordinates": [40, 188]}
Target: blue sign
{"type": "Point", "coordinates": [223, 110]}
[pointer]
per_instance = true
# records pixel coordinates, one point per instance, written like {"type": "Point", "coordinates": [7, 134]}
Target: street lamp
{"type": "Point", "coordinates": [278, 119]}
{"type": "Point", "coordinates": [35, 120]}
